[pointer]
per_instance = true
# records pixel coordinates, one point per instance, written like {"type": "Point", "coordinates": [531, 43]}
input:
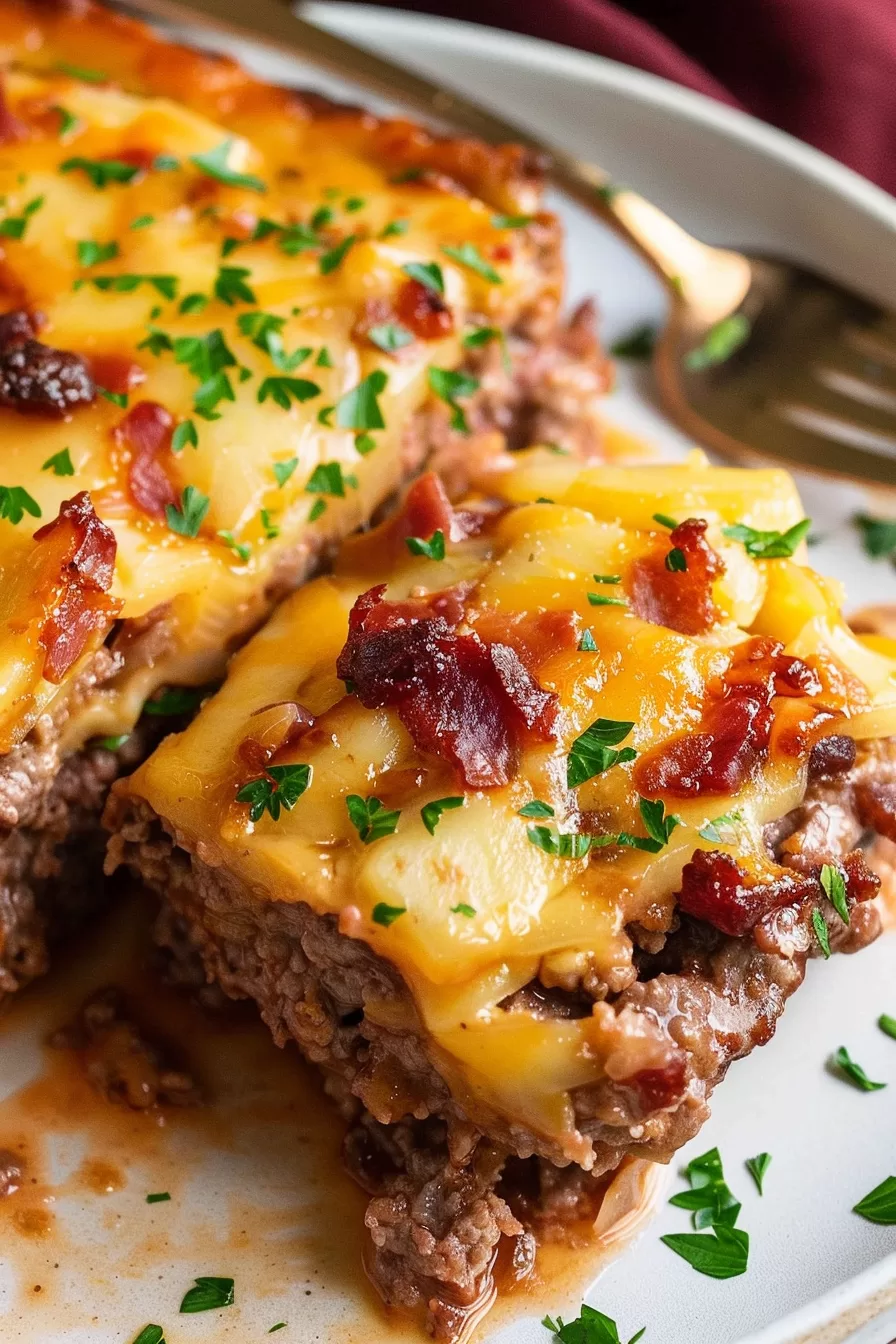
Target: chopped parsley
{"type": "Point", "coordinates": [638, 344]}
{"type": "Point", "coordinates": [214, 164]}
{"type": "Point", "coordinates": [101, 172]}
{"type": "Point", "coordinates": [176, 700]}
{"type": "Point", "coordinates": [607, 578]}
{"type": "Point", "coordinates": [469, 256]}
{"type": "Point", "coordinates": [721, 1252]}
{"type": "Point", "coordinates": [161, 1198]}
{"type": "Point", "coordinates": [240, 548]}
{"type": "Point", "coordinates": [359, 407]}
{"type": "Point", "coordinates": [386, 914]}
{"type": "Point", "coordinates": [428, 273]}
{"type": "Point", "coordinates": [370, 819]}
{"type": "Point", "coordinates": [390, 336]}
{"type": "Point", "coordinates": [719, 343]}
{"type": "Point", "coordinates": [434, 549]}
{"type": "Point", "coordinates": [324, 359]}
{"type": "Point", "coordinates": [592, 752]}
{"type": "Point", "coordinates": [431, 812]}
{"type": "Point", "coordinates": [117, 398]}
{"type": "Point", "coordinates": [192, 303]}
{"type": "Point", "coordinates": [82, 72]}
{"type": "Point", "coordinates": [280, 788]}
{"type": "Point", "coordinates": [536, 809]}
{"type": "Point", "coordinates": [112, 743]}
{"type": "Point", "coordinates": [821, 932]}
{"type": "Point", "coordinates": [284, 391]}
{"type": "Point", "coordinates": [665, 521]}
{"type": "Point", "coordinates": [848, 1067]}
{"type": "Point", "coordinates": [14, 226]}
{"type": "Point", "coordinates": [449, 385]}
{"type": "Point", "coordinates": [462, 908]}
{"type": "Point", "coordinates": [512, 221]}
{"type": "Point", "coordinates": [887, 1025]}
{"type": "Point", "coordinates": [184, 433]}
{"type": "Point", "coordinates": [283, 470]}
{"type": "Point", "coordinates": [281, 1325]}
{"type": "Point", "coordinates": [68, 122]}
{"type": "Point", "coordinates": [560, 844]}
{"type": "Point", "coordinates": [142, 222]}
{"type": "Point", "coordinates": [331, 260]}
{"type": "Point", "coordinates": [91, 253]}
{"type": "Point", "coordinates": [208, 1294]}
{"type": "Point", "coordinates": [60, 464]}
{"type": "Point", "coordinates": [151, 1334]}
{"type": "Point", "coordinates": [480, 336]}
{"type": "Point", "coordinates": [757, 1167]}
{"type": "Point", "coordinates": [768, 545]}
{"type": "Point", "coordinates": [709, 1200]}
{"type": "Point", "coordinates": [590, 1327]}
{"type": "Point", "coordinates": [188, 517]}
{"type": "Point", "coordinates": [297, 238]}
{"type": "Point", "coordinates": [265, 330]}
{"type": "Point", "coordinates": [166, 285]}
{"type": "Point", "coordinates": [328, 478]}
{"type": "Point", "coordinates": [230, 285]}
{"type": "Point", "coordinates": [712, 830]}
{"type": "Point", "coordinates": [318, 508]}
{"type": "Point", "coordinates": [603, 599]}
{"type": "Point", "coordinates": [659, 827]}
{"type": "Point", "coordinates": [586, 643]}
{"type": "Point", "coordinates": [353, 203]}
{"type": "Point", "coordinates": [879, 1206]}
{"type": "Point", "coordinates": [271, 530]}
{"type": "Point", "coordinates": [834, 888]}
{"type": "Point", "coordinates": [15, 502]}
{"type": "Point", "coordinates": [676, 561]}
{"type": "Point", "coordinates": [395, 228]}
{"type": "Point", "coordinates": [878, 535]}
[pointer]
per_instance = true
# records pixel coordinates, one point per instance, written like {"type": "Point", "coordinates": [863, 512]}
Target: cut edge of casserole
{"type": "Point", "coordinates": [524, 825]}
{"type": "Point", "coordinates": [229, 330]}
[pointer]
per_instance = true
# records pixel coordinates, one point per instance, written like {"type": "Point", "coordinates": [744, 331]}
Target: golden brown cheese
{"type": "Point", "coordinates": [237, 302]}
{"type": "Point", "coordinates": [475, 908]}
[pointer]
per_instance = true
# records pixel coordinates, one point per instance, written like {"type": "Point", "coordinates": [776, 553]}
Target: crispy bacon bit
{"type": "Point", "coordinates": [736, 727]}
{"type": "Point", "coordinates": [876, 806]}
{"type": "Point", "coordinates": [12, 128]}
{"type": "Point", "coordinates": [658, 1089]}
{"type": "Point", "coordinates": [833, 755]}
{"type": "Point", "coordinates": [77, 554]}
{"type": "Point", "coordinates": [145, 433]}
{"type": "Point", "coordinates": [535, 635]}
{"type": "Point", "coordinates": [423, 311]}
{"type": "Point", "coordinates": [116, 373]}
{"type": "Point", "coordinates": [678, 598]}
{"type": "Point", "coordinates": [468, 702]}
{"type": "Point", "coordinates": [38, 378]}
{"type": "Point", "coordinates": [428, 509]}
{"type": "Point", "coordinates": [716, 889]}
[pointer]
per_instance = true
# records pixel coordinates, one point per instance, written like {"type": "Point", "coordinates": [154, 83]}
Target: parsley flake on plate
{"type": "Point", "coordinates": [845, 1065]}
{"type": "Point", "coordinates": [720, 1254]}
{"type": "Point", "coordinates": [822, 936]}
{"type": "Point", "coordinates": [659, 827]}
{"type": "Point", "coordinates": [887, 1025]}
{"type": "Point", "coordinates": [15, 502]}
{"type": "Point", "coordinates": [434, 549]}
{"type": "Point", "coordinates": [279, 789]}
{"type": "Point", "coordinates": [184, 433]}
{"type": "Point", "coordinates": [559, 844]}
{"type": "Point", "coordinates": [449, 385]}
{"type": "Point", "coordinates": [60, 464]}
{"type": "Point", "coordinates": [187, 517]}
{"type": "Point", "coordinates": [390, 337]}
{"type": "Point", "coordinates": [333, 259]}
{"type": "Point", "coordinates": [328, 478]}
{"type": "Point", "coordinates": [757, 1167]}
{"type": "Point", "coordinates": [161, 1198]}
{"type": "Point", "coordinates": [101, 172]}
{"type": "Point", "coordinates": [370, 818]}
{"type": "Point", "coordinates": [68, 122]}
{"type": "Point", "coordinates": [432, 812]}
{"type": "Point", "coordinates": [878, 535]}
{"type": "Point", "coordinates": [240, 548]}
{"type": "Point", "coordinates": [283, 470]}
{"type": "Point", "coordinates": [230, 285]}
{"type": "Point", "coordinates": [590, 1327]}
{"type": "Point", "coordinates": [638, 344]}
{"type": "Point", "coordinates": [536, 809]}
{"type": "Point", "coordinates": [151, 1334]}
{"type": "Point", "coordinates": [166, 285]}
{"type": "Point", "coordinates": [769, 545]}
{"type": "Point", "coordinates": [14, 226]}
{"type": "Point", "coordinates": [395, 228]}
{"type": "Point", "coordinates": [91, 253]}
{"type": "Point", "coordinates": [359, 407]}
{"type": "Point", "coordinates": [284, 390]}
{"type": "Point", "coordinates": [879, 1205]}
{"type": "Point", "coordinates": [214, 163]}
{"type": "Point", "coordinates": [386, 914]}
{"type": "Point", "coordinates": [593, 752]}
{"type": "Point", "coordinates": [427, 273]}
{"type": "Point", "coordinates": [469, 256]}
{"type": "Point", "coordinates": [208, 1294]}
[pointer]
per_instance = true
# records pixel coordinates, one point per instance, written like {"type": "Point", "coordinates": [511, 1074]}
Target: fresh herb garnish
{"type": "Point", "coordinates": [112, 743]}
{"type": "Point", "coordinates": [184, 433]}
{"type": "Point", "coordinates": [359, 407]}
{"type": "Point", "coordinates": [604, 600]}
{"type": "Point", "coordinates": [353, 203]}
{"type": "Point", "coordinates": [280, 788]}
{"type": "Point", "coordinates": [887, 1025]}
{"type": "Point", "coordinates": [284, 391]}
{"type": "Point", "coordinates": [434, 549]}
{"type": "Point", "coordinates": [834, 888]}
{"type": "Point", "coordinates": [676, 561]}
{"type": "Point", "coordinates": [712, 830]}
{"type": "Point", "coordinates": [239, 548]}
{"type": "Point", "coordinates": [821, 932]}
{"type": "Point", "coordinates": [879, 1205]}
{"type": "Point", "coordinates": [638, 344]}
{"type": "Point", "coordinates": [214, 164]}
{"type": "Point", "coordinates": [117, 398]}
{"type": "Point", "coordinates": [469, 256]}
{"type": "Point", "coordinates": [60, 464]}
{"type": "Point", "coordinates": [81, 72]}
{"type": "Point", "coordinates": [512, 221]}
{"type": "Point", "coordinates": [142, 222]}
{"type": "Point", "coordinates": [328, 478]}
{"type": "Point", "coordinates": [390, 336]}
{"type": "Point", "coordinates": [665, 521]}
{"type": "Point", "coordinates": [176, 700]}
{"type": "Point", "coordinates": [281, 1325]}
{"type": "Point", "coordinates": [67, 120]}
{"type": "Point", "coordinates": [192, 303]}
{"type": "Point", "coordinates": [166, 285]}
{"type": "Point", "coordinates": [878, 535]}
{"type": "Point", "coordinates": [386, 914]}
{"type": "Point", "coordinates": [208, 1295]}
{"type": "Point", "coordinates": [720, 1254]}
{"type": "Point", "coordinates": [101, 172]}
{"type": "Point", "coordinates": [230, 285]}
{"type": "Point", "coordinates": [428, 273]}
{"type": "Point", "coordinates": [590, 1327]}
{"type": "Point", "coordinates": [151, 1334]}
{"type": "Point", "coordinates": [161, 1198]}
{"type": "Point", "coordinates": [370, 818]}
{"type": "Point", "coordinates": [592, 752]}
{"type": "Point", "coordinates": [586, 643]}
{"type": "Point", "coordinates": [768, 545]}
{"type": "Point", "coordinates": [757, 1167]}
{"type": "Point", "coordinates": [318, 508]}
{"type": "Point", "coordinates": [265, 332]}
{"type": "Point", "coordinates": [719, 343]}
{"type": "Point", "coordinates": [463, 909]}
{"type": "Point", "coordinates": [15, 502]}
{"type": "Point", "coordinates": [188, 517]}
{"type": "Point", "coordinates": [14, 226]}
{"type": "Point", "coordinates": [560, 844]}
{"type": "Point", "coordinates": [91, 253]}
{"type": "Point", "coordinates": [843, 1061]}
{"type": "Point", "coordinates": [283, 470]}
{"type": "Point", "coordinates": [395, 228]}
{"type": "Point", "coordinates": [448, 385]}
{"type": "Point", "coordinates": [536, 809]}
{"type": "Point", "coordinates": [659, 827]}
{"type": "Point", "coordinates": [270, 529]}
{"type": "Point", "coordinates": [331, 260]}
{"type": "Point", "coordinates": [431, 812]}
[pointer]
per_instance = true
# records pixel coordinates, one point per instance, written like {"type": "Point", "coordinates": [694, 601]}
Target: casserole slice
{"type": "Point", "coordinates": [524, 825]}
{"type": "Point", "coordinates": [233, 319]}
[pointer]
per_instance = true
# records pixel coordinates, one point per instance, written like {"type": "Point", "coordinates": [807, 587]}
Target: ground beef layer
{"type": "Point", "coordinates": [51, 842]}
{"type": "Point", "coordinates": [438, 1213]}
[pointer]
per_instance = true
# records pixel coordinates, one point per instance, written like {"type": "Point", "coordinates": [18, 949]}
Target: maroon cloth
{"type": "Point", "coordinates": [825, 70]}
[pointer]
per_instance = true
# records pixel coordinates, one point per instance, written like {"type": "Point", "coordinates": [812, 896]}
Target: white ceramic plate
{"type": "Point", "coordinates": [258, 1195]}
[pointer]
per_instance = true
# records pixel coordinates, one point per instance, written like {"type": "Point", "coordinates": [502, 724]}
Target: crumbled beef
{"type": "Point", "coordinates": [39, 378]}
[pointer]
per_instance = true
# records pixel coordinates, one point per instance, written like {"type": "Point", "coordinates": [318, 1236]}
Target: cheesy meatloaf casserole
{"type": "Point", "coordinates": [523, 825]}
{"type": "Point", "coordinates": [233, 319]}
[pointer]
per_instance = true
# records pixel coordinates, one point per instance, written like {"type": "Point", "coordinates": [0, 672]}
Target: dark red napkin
{"type": "Point", "coordinates": [825, 70]}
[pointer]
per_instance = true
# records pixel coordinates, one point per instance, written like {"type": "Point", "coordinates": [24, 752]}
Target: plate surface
{"type": "Point", "coordinates": [258, 1200]}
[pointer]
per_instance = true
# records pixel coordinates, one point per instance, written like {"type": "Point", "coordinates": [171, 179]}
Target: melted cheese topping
{"type": "Point", "coordinates": [170, 221]}
{"type": "Point", "coordinates": [533, 913]}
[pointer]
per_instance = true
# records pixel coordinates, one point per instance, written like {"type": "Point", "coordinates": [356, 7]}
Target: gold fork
{"type": "Point", "coordinates": [761, 360]}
